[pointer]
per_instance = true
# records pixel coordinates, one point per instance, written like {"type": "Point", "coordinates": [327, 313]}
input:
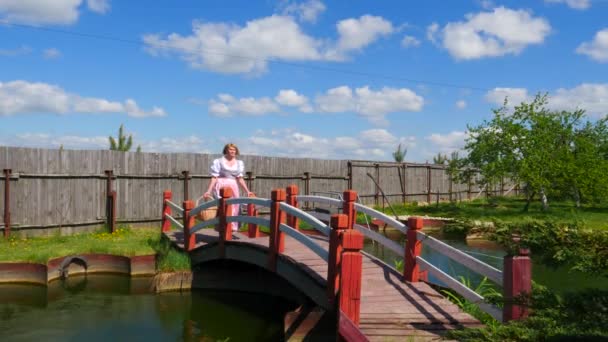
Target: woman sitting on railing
{"type": "Point", "coordinates": [227, 171]}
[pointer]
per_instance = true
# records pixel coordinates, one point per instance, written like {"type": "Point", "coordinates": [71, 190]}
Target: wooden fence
{"type": "Point", "coordinates": [70, 188]}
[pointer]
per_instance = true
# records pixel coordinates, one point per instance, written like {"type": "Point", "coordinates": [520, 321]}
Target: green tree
{"type": "Point", "coordinates": [399, 154]}
{"type": "Point", "coordinates": [553, 153]}
{"type": "Point", "coordinates": [440, 158]}
{"type": "Point", "coordinates": [122, 143]}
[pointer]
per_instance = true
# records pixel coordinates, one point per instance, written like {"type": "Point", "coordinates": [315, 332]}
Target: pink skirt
{"type": "Point", "coordinates": [233, 209]}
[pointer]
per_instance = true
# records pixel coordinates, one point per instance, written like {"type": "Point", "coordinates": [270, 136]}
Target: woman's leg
{"type": "Point", "coordinates": [234, 209]}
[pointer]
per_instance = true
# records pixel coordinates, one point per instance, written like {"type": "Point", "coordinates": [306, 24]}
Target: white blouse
{"type": "Point", "coordinates": [220, 169]}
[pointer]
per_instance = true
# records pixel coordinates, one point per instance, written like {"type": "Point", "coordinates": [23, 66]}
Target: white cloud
{"type": "Point", "coordinates": [431, 32]}
{"type": "Point", "coordinates": [588, 96]}
{"type": "Point", "coordinates": [22, 97]}
{"type": "Point", "coordinates": [99, 6]}
{"type": "Point", "coordinates": [291, 98]}
{"type": "Point", "coordinates": [490, 34]}
{"type": "Point", "coordinates": [307, 11]}
{"type": "Point", "coordinates": [23, 50]}
{"type": "Point", "coordinates": [597, 49]}
{"type": "Point", "coordinates": [461, 104]}
{"type": "Point", "coordinates": [373, 105]}
{"type": "Point", "coordinates": [514, 96]}
{"type": "Point", "coordinates": [229, 48]}
{"type": "Point", "coordinates": [592, 97]}
{"type": "Point", "coordinates": [576, 4]}
{"type": "Point", "coordinates": [46, 12]}
{"type": "Point", "coordinates": [409, 41]}
{"type": "Point", "coordinates": [486, 4]}
{"type": "Point", "coordinates": [51, 53]}
{"type": "Point", "coordinates": [355, 34]}
{"type": "Point", "coordinates": [227, 105]}
{"type": "Point", "coordinates": [371, 144]}
{"type": "Point", "coordinates": [445, 143]}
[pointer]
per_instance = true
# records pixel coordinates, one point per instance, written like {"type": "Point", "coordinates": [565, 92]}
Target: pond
{"type": "Point", "coordinates": [111, 307]}
{"type": "Point", "coordinates": [559, 280]}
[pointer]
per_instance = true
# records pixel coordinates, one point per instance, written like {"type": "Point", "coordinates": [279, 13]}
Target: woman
{"type": "Point", "coordinates": [227, 171]}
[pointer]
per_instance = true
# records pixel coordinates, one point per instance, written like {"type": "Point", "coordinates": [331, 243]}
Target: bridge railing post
{"type": "Point", "coordinates": [413, 248]}
{"type": "Point", "coordinates": [165, 223]}
{"type": "Point", "coordinates": [222, 211]}
{"type": "Point", "coordinates": [292, 192]}
{"type": "Point", "coordinates": [338, 225]}
{"type": "Point", "coordinates": [348, 207]}
{"type": "Point", "coordinates": [517, 284]}
{"type": "Point", "coordinates": [253, 231]}
{"type": "Point", "coordinates": [276, 238]}
{"type": "Point", "coordinates": [189, 239]}
{"type": "Point", "coordinates": [350, 269]}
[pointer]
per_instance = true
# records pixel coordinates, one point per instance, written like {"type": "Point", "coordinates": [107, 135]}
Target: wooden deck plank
{"type": "Point", "coordinates": [391, 309]}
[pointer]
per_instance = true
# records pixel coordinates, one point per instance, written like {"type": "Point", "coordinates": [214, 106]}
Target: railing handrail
{"type": "Point", "coordinates": [175, 206]}
{"type": "Point", "coordinates": [306, 241]}
{"type": "Point", "coordinates": [319, 199]}
{"type": "Point", "coordinates": [306, 217]}
{"type": "Point", "coordinates": [381, 216]}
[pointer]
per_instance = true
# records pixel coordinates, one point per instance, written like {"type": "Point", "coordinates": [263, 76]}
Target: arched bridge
{"type": "Point", "coordinates": [372, 300]}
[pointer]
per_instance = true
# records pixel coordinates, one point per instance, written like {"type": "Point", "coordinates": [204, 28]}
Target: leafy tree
{"type": "Point", "coordinates": [123, 143]}
{"type": "Point", "coordinates": [399, 154]}
{"type": "Point", "coordinates": [553, 153]}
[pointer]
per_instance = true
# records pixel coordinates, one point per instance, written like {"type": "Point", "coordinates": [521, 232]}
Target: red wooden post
{"type": "Point", "coordinates": [348, 207]}
{"type": "Point", "coordinates": [7, 201]}
{"type": "Point", "coordinates": [517, 282]}
{"type": "Point", "coordinates": [413, 248]}
{"type": "Point", "coordinates": [112, 211]}
{"type": "Point", "coordinates": [222, 210]}
{"type": "Point", "coordinates": [252, 229]}
{"type": "Point", "coordinates": [292, 192]}
{"type": "Point", "coordinates": [276, 238]}
{"type": "Point", "coordinates": [189, 239]}
{"type": "Point", "coordinates": [165, 223]}
{"type": "Point", "coordinates": [186, 178]}
{"type": "Point", "coordinates": [338, 224]}
{"type": "Point", "coordinates": [351, 271]}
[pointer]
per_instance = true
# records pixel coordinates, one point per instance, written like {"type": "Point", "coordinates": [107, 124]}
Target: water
{"type": "Point", "coordinates": [560, 280]}
{"type": "Point", "coordinates": [113, 308]}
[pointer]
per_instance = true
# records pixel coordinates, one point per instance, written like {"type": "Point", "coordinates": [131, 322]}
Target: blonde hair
{"type": "Point", "coordinates": [229, 145]}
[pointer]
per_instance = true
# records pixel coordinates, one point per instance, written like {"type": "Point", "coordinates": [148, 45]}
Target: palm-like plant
{"type": "Point", "coordinates": [123, 143]}
{"type": "Point", "coordinates": [399, 155]}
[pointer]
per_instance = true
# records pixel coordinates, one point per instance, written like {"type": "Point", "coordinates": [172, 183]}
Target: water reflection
{"type": "Point", "coordinates": [110, 307]}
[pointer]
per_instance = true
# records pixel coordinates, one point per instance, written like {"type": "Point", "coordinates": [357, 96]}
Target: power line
{"type": "Point", "coordinates": [267, 60]}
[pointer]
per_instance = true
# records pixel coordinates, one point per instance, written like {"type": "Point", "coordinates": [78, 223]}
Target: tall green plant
{"type": "Point", "coordinates": [399, 154]}
{"type": "Point", "coordinates": [122, 143]}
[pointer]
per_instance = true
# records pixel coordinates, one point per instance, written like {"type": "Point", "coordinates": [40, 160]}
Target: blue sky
{"type": "Point", "coordinates": [315, 79]}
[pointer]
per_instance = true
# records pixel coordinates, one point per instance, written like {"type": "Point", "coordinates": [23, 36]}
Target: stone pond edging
{"type": "Point", "coordinates": [42, 274]}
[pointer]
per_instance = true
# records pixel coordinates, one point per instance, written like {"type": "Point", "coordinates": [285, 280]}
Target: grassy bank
{"type": "Point", "coordinates": [510, 210]}
{"type": "Point", "coordinates": [125, 242]}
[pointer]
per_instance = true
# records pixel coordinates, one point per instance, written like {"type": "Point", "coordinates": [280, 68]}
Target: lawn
{"type": "Point", "coordinates": [510, 209]}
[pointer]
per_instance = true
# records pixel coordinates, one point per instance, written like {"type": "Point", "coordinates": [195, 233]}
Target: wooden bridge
{"type": "Point", "coordinates": [371, 299]}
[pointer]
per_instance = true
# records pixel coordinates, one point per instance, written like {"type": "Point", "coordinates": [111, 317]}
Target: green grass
{"type": "Point", "coordinates": [125, 242]}
{"type": "Point", "coordinates": [509, 209]}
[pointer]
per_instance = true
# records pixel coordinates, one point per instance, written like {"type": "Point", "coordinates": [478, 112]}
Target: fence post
{"type": "Point", "coordinates": [7, 201]}
{"type": "Point", "coordinates": [253, 231]}
{"type": "Point", "coordinates": [349, 168]}
{"type": "Point", "coordinates": [517, 283]}
{"type": "Point", "coordinates": [292, 192]}
{"type": "Point", "coordinates": [112, 221]}
{"type": "Point", "coordinates": [276, 238]}
{"type": "Point", "coordinates": [413, 248]}
{"type": "Point", "coordinates": [165, 223]}
{"type": "Point", "coordinates": [189, 239]}
{"type": "Point", "coordinates": [404, 187]}
{"type": "Point", "coordinates": [429, 184]}
{"type": "Point", "coordinates": [186, 177]}
{"type": "Point", "coordinates": [376, 189]}
{"type": "Point", "coordinates": [338, 225]}
{"type": "Point", "coordinates": [351, 265]}
{"type": "Point", "coordinates": [110, 176]}
{"type": "Point", "coordinates": [348, 207]}
{"type": "Point", "coordinates": [469, 187]}
{"type": "Point", "coordinates": [306, 188]}
{"type": "Point", "coordinates": [249, 179]}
